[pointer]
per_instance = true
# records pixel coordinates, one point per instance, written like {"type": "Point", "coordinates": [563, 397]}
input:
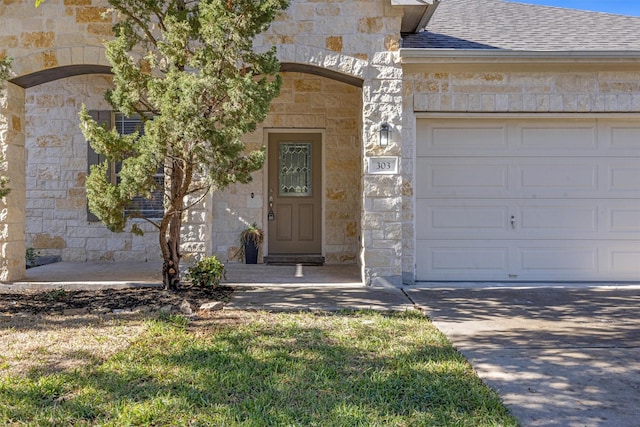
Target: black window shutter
{"type": "Point", "coordinates": [93, 158]}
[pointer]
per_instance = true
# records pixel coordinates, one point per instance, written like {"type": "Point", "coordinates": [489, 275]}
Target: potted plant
{"type": "Point", "coordinates": [250, 240]}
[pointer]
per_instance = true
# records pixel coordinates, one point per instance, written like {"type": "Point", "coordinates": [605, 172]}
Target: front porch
{"type": "Point", "coordinates": [96, 275]}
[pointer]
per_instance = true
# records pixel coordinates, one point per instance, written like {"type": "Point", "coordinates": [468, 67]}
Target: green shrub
{"type": "Point", "coordinates": [209, 271]}
{"type": "Point", "coordinates": [31, 257]}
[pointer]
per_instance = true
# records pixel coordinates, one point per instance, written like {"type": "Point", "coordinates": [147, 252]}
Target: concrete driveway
{"type": "Point", "coordinates": [557, 356]}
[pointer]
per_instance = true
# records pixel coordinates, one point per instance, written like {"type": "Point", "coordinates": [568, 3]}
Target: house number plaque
{"type": "Point", "coordinates": [382, 165]}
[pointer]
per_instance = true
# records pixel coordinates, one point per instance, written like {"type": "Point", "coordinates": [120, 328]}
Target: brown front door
{"type": "Point", "coordinates": [295, 202]}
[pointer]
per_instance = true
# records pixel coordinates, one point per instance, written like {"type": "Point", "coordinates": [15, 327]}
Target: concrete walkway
{"type": "Point", "coordinates": [564, 355]}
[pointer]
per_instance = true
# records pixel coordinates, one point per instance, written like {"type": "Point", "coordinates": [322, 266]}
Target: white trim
{"type": "Point", "coordinates": [411, 2]}
{"type": "Point", "coordinates": [265, 182]}
{"type": "Point", "coordinates": [525, 115]}
{"type": "Point", "coordinates": [421, 56]}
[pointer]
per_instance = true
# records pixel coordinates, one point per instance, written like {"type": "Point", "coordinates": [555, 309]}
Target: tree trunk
{"type": "Point", "coordinates": [171, 262]}
{"type": "Point", "coordinates": [170, 228]}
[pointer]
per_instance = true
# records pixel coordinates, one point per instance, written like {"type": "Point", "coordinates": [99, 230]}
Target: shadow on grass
{"type": "Point", "coordinates": [301, 369]}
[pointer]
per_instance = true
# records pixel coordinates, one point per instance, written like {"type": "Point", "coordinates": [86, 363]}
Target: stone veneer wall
{"type": "Point", "coordinates": [361, 39]}
{"type": "Point", "coordinates": [306, 102]}
{"type": "Point", "coordinates": [57, 33]}
{"type": "Point", "coordinates": [12, 246]}
{"type": "Point", "coordinates": [56, 218]}
{"type": "Point", "coordinates": [562, 92]}
{"type": "Point", "coordinates": [469, 91]}
{"type": "Point", "coordinates": [355, 38]}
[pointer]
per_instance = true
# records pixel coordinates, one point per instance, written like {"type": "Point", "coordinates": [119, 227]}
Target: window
{"type": "Point", "coordinates": [295, 169]}
{"type": "Point", "coordinates": [148, 207]}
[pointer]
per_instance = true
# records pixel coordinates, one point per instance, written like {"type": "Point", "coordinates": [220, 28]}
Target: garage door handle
{"type": "Point", "coordinates": [513, 222]}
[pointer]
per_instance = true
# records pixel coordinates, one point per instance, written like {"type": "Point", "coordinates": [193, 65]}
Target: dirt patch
{"type": "Point", "coordinates": [41, 344]}
{"type": "Point", "coordinates": [49, 331]}
{"type": "Point", "coordinates": [61, 301]}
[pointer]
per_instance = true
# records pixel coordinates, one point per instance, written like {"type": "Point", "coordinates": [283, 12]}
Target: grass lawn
{"type": "Point", "coordinates": [242, 369]}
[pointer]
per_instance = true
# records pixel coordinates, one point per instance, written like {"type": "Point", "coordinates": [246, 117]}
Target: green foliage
{"type": "Point", "coordinates": [4, 181]}
{"type": "Point", "coordinates": [30, 257]}
{"type": "Point", "coordinates": [192, 67]}
{"type": "Point", "coordinates": [168, 319]}
{"type": "Point", "coordinates": [5, 68]}
{"type": "Point", "coordinates": [205, 87]}
{"type": "Point", "coordinates": [57, 295]}
{"type": "Point", "coordinates": [208, 272]}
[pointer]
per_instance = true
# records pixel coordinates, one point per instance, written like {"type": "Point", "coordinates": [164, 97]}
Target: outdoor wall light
{"type": "Point", "coordinates": [385, 130]}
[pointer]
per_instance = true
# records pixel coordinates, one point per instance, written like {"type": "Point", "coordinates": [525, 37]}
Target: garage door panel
{"type": "Point", "coordinates": [552, 220]}
{"type": "Point", "coordinates": [620, 138]}
{"type": "Point", "coordinates": [557, 138]}
{"type": "Point", "coordinates": [453, 177]}
{"type": "Point", "coordinates": [473, 137]}
{"type": "Point", "coordinates": [624, 260]}
{"type": "Point", "coordinates": [459, 219]}
{"type": "Point", "coordinates": [558, 178]}
{"type": "Point", "coordinates": [577, 219]}
{"type": "Point", "coordinates": [624, 220]}
{"type": "Point", "coordinates": [445, 259]}
{"type": "Point", "coordinates": [625, 179]}
{"type": "Point", "coordinates": [552, 258]}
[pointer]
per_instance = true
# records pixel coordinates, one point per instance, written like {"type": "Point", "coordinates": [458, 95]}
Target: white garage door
{"type": "Point", "coordinates": [519, 200]}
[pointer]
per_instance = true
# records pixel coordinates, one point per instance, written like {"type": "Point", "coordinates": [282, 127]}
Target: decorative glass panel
{"type": "Point", "coordinates": [295, 169]}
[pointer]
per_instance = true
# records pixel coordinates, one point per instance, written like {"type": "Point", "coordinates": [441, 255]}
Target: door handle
{"type": "Point", "coordinates": [513, 222]}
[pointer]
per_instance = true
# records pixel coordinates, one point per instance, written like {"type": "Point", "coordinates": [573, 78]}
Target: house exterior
{"type": "Point", "coordinates": [513, 150]}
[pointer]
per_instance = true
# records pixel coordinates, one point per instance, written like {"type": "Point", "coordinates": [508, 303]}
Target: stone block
{"type": "Point", "coordinates": [371, 24]}
{"type": "Point", "coordinates": [46, 241]}
{"type": "Point", "coordinates": [212, 306]}
{"type": "Point", "coordinates": [37, 40]}
{"type": "Point", "coordinates": [387, 204]}
{"type": "Point", "coordinates": [379, 258]}
{"type": "Point", "coordinates": [89, 14]}
{"type": "Point", "coordinates": [77, 2]}
{"type": "Point", "coordinates": [624, 102]}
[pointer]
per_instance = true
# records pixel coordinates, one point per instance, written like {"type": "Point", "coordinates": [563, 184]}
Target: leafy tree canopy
{"type": "Point", "coordinates": [190, 70]}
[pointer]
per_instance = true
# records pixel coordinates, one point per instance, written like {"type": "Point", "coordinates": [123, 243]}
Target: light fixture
{"type": "Point", "coordinates": [385, 130]}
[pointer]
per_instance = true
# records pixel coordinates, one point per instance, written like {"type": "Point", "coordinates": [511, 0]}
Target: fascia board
{"type": "Point", "coordinates": [411, 2]}
{"type": "Point", "coordinates": [461, 56]}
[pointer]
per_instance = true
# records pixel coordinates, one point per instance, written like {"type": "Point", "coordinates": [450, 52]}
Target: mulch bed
{"type": "Point", "coordinates": [59, 300]}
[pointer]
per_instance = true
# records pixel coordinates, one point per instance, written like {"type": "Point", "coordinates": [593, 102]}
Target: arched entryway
{"type": "Point", "coordinates": [315, 104]}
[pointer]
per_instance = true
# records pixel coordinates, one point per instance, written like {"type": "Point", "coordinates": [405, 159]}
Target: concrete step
{"type": "Point", "coordinates": [294, 259]}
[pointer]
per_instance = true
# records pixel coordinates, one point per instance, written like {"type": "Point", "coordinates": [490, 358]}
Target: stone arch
{"type": "Point", "coordinates": [46, 66]}
{"type": "Point", "coordinates": [322, 72]}
{"type": "Point", "coordinates": [323, 59]}
{"type": "Point", "coordinates": [62, 71]}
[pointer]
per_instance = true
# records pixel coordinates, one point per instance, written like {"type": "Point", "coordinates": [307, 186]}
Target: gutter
{"type": "Point", "coordinates": [484, 56]}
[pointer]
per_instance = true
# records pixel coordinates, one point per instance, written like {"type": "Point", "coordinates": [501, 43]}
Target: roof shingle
{"type": "Point", "coordinates": [499, 24]}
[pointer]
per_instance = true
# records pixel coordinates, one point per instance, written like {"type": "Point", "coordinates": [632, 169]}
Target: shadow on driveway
{"type": "Point", "coordinates": [557, 356]}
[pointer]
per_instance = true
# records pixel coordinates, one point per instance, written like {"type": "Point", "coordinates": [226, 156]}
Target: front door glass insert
{"type": "Point", "coordinates": [295, 169]}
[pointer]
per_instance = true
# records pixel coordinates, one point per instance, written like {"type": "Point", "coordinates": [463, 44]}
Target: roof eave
{"type": "Point", "coordinates": [415, 13]}
{"type": "Point", "coordinates": [460, 56]}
